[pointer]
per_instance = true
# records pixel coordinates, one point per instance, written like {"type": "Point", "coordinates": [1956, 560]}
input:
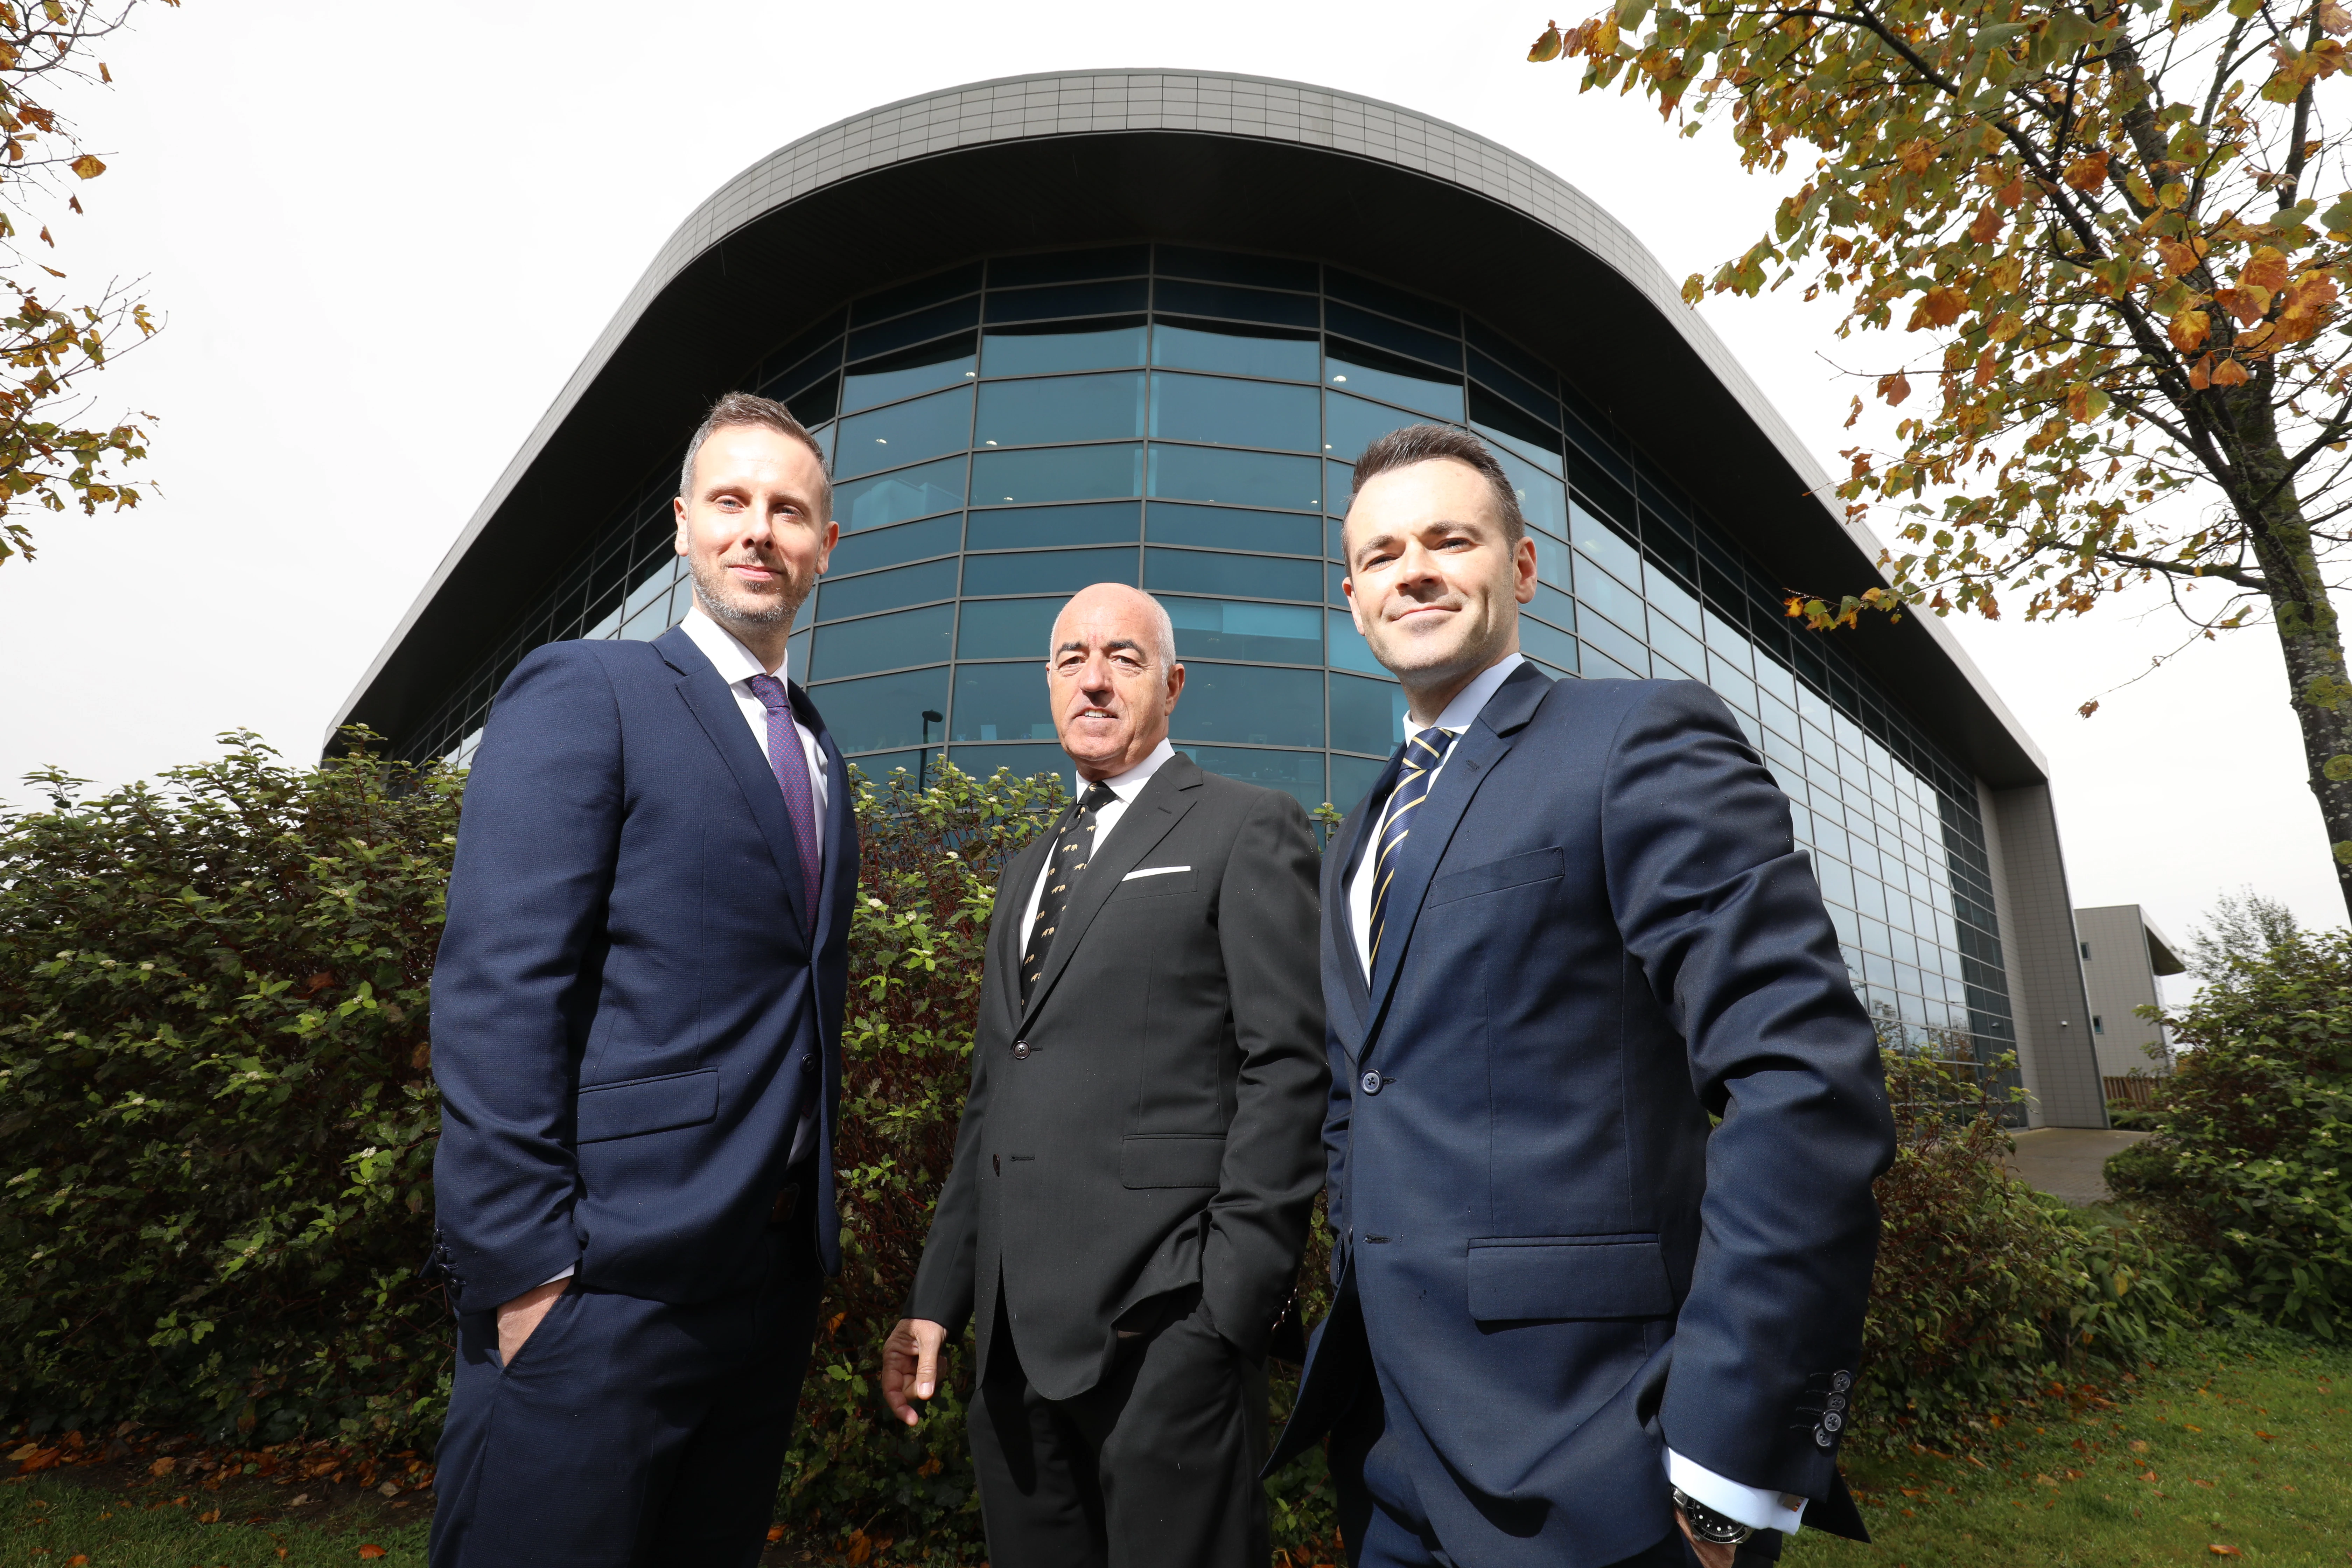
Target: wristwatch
{"type": "Point", "coordinates": [1715, 1529]}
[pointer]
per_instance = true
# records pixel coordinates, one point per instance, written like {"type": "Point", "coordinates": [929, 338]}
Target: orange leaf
{"type": "Point", "coordinates": [2333, 18]}
{"type": "Point", "coordinates": [2246, 304]}
{"type": "Point", "coordinates": [2177, 258]}
{"type": "Point", "coordinates": [77, 1560]}
{"type": "Point", "coordinates": [1546, 46]}
{"type": "Point", "coordinates": [163, 1466]}
{"type": "Point", "coordinates": [1987, 226]}
{"type": "Point", "coordinates": [2200, 376]}
{"type": "Point", "coordinates": [1939, 307]}
{"type": "Point", "coordinates": [211, 1516]}
{"type": "Point", "coordinates": [2190, 328]}
{"type": "Point", "coordinates": [1917, 155]}
{"type": "Point", "coordinates": [775, 1533]}
{"type": "Point", "coordinates": [2088, 172]}
{"type": "Point", "coordinates": [2265, 269]}
{"type": "Point", "coordinates": [2086, 709]}
{"type": "Point", "coordinates": [2230, 372]}
{"type": "Point", "coordinates": [2218, 1550]}
{"type": "Point", "coordinates": [370, 1552]}
{"type": "Point", "coordinates": [87, 166]}
{"type": "Point", "coordinates": [1894, 388]}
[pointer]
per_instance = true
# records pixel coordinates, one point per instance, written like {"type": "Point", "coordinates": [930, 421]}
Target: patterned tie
{"type": "Point", "coordinates": [790, 764]}
{"type": "Point", "coordinates": [1069, 858]}
{"type": "Point", "coordinates": [1422, 755]}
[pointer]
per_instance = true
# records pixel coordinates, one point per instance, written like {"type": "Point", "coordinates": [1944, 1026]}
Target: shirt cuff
{"type": "Point", "coordinates": [1751, 1506]}
{"type": "Point", "coordinates": [575, 1269]}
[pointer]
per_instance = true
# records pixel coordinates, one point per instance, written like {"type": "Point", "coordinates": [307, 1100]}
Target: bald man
{"type": "Point", "coordinates": [1142, 1142]}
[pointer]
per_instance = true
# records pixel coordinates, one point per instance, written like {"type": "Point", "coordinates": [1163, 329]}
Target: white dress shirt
{"type": "Point", "coordinates": [1125, 787]}
{"type": "Point", "coordinates": [1752, 1506]}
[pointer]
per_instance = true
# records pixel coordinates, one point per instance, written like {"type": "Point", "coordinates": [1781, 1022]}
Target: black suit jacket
{"type": "Point", "coordinates": [1151, 1121]}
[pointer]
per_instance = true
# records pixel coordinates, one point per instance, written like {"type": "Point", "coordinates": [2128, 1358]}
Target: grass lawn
{"type": "Point", "coordinates": [54, 1520]}
{"type": "Point", "coordinates": [2239, 1451]}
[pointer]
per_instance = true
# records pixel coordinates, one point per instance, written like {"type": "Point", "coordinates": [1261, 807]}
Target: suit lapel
{"type": "Point", "coordinates": [1488, 738]}
{"type": "Point", "coordinates": [1147, 820]}
{"type": "Point", "coordinates": [1012, 886]}
{"type": "Point", "coordinates": [1346, 854]}
{"type": "Point", "coordinates": [840, 841]}
{"type": "Point", "coordinates": [714, 708]}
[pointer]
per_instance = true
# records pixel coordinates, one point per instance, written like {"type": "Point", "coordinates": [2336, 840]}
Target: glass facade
{"type": "Point", "coordinates": [1004, 433]}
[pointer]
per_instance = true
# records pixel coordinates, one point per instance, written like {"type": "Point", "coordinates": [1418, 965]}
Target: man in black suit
{"type": "Point", "coordinates": [1575, 1324]}
{"type": "Point", "coordinates": [1138, 1153]}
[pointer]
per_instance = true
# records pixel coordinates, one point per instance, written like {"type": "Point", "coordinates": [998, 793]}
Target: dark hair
{"type": "Point", "coordinates": [1429, 444]}
{"type": "Point", "coordinates": [744, 408]}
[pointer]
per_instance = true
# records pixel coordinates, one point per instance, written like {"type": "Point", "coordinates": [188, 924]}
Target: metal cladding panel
{"type": "Point", "coordinates": [2056, 1045]}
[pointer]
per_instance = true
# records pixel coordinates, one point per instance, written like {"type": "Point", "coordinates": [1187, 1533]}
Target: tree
{"type": "Point", "coordinates": [2120, 232]}
{"type": "Point", "coordinates": [2241, 929]}
{"type": "Point", "coordinates": [48, 458]}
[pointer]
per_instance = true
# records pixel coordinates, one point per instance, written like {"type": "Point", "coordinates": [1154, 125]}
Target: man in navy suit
{"type": "Point", "coordinates": [1573, 1326]}
{"type": "Point", "coordinates": [636, 1021]}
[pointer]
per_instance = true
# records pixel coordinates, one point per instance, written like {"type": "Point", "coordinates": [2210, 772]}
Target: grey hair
{"type": "Point", "coordinates": [1161, 621]}
{"type": "Point", "coordinates": [744, 408]}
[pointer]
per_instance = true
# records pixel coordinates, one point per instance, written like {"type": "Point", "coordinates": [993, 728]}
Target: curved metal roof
{"type": "Point", "coordinates": [1249, 162]}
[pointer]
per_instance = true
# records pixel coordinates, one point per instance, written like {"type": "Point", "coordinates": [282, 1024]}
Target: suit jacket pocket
{"type": "Point", "coordinates": [1171, 1160]}
{"type": "Point", "coordinates": [1151, 883]}
{"type": "Point", "coordinates": [1513, 870]}
{"type": "Point", "coordinates": [1554, 1276]}
{"type": "Point", "coordinates": [641, 1105]}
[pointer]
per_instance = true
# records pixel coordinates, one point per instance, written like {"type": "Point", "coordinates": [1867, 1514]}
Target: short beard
{"type": "Point", "coordinates": [723, 602]}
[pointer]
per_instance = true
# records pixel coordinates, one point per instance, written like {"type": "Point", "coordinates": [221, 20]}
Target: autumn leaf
{"type": "Point", "coordinates": [1916, 155]}
{"type": "Point", "coordinates": [1894, 388]}
{"type": "Point", "coordinates": [163, 1466]}
{"type": "Point", "coordinates": [2266, 269]}
{"type": "Point", "coordinates": [2087, 708]}
{"type": "Point", "coordinates": [775, 1533]}
{"type": "Point", "coordinates": [1546, 46]}
{"type": "Point", "coordinates": [1986, 228]}
{"type": "Point", "coordinates": [1939, 307]}
{"type": "Point", "coordinates": [2218, 1550]}
{"type": "Point", "coordinates": [87, 166]}
{"type": "Point", "coordinates": [2230, 372]}
{"type": "Point", "coordinates": [370, 1552]}
{"type": "Point", "coordinates": [2189, 330]}
{"type": "Point", "coordinates": [2177, 256]}
{"type": "Point", "coordinates": [2087, 172]}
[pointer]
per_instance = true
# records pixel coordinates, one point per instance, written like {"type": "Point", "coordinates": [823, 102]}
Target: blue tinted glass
{"type": "Point", "coordinates": [1537, 640]}
{"type": "Point", "coordinates": [1031, 527]}
{"type": "Point", "coordinates": [1345, 285]}
{"type": "Point", "coordinates": [919, 327]}
{"type": "Point", "coordinates": [1235, 413]}
{"type": "Point", "coordinates": [909, 541]}
{"type": "Point", "coordinates": [1669, 598]}
{"type": "Point", "coordinates": [894, 376]}
{"type": "Point", "coordinates": [1298, 775]}
{"type": "Point", "coordinates": [1617, 644]}
{"type": "Point", "coordinates": [1672, 642]}
{"type": "Point", "coordinates": [1542, 499]}
{"type": "Point", "coordinates": [1351, 424]}
{"type": "Point", "coordinates": [1236, 479]}
{"type": "Point", "coordinates": [1597, 666]}
{"type": "Point", "coordinates": [1022, 761]}
{"type": "Point", "coordinates": [1059, 408]}
{"type": "Point", "coordinates": [1393, 337]}
{"type": "Point", "coordinates": [1007, 629]}
{"type": "Point", "coordinates": [1393, 381]}
{"type": "Point", "coordinates": [1334, 541]}
{"type": "Point", "coordinates": [1069, 266]}
{"type": "Point", "coordinates": [1272, 633]}
{"type": "Point", "coordinates": [1222, 528]}
{"type": "Point", "coordinates": [1512, 436]}
{"type": "Point", "coordinates": [1554, 606]}
{"type": "Point", "coordinates": [903, 433]}
{"type": "Point", "coordinates": [1352, 779]}
{"type": "Point", "coordinates": [1001, 702]}
{"type": "Point", "coordinates": [1348, 648]}
{"type": "Point", "coordinates": [1335, 586]}
{"type": "Point", "coordinates": [894, 498]}
{"type": "Point", "coordinates": [922, 291]}
{"type": "Point", "coordinates": [1242, 304]}
{"type": "Point", "coordinates": [1254, 576]}
{"type": "Point", "coordinates": [885, 642]}
{"type": "Point", "coordinates": [882, 710]}
{"type": "Point", "coordinates": [1367, 715]}
{"type": "Point", "coordinates": [1729, 684]}
{"type": "Point", "coordinates": [1068, 299]}
{"type": "Point", "coordinates": [887, 591]}
{"type": "Point", "coordinates": [1241, 350]}
{"type": "Point", "coordinates": [1604, 544]}
{"type": "Point", "coordinates": [1051, 474]}
{"type": "Point", "coordinates": [877, 766]}
{"type": "Point", "coordinates": [1551, 561]}
{"type": "Point", "coordinates": [814, 405]}
{"type": "Point", "coordinates": [1048, 570]}
{"type": "Point", "coordinates": [1611, 597]}
{"type": "Point", "coordinates": [1338, 485]}
{"type": "Point", "coordinates": [1232, 267]}
{"type": "Point", "coordinates": [1064, 345]}
{"type": "Point", "coordinates": [1238, 704]}
{"type": "Point", "coordinates": [1526, 394]}
{"type": "Point", "coordinates": [796, 648]}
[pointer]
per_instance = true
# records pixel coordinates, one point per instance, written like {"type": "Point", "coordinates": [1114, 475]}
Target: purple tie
{"type": "Point", "coordinates": [790, 764]}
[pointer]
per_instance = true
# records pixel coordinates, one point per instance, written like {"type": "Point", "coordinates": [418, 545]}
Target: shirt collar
{"type": "Point", "coordinates": [1129, 784]}
{"type": "Point", "coordinates": [1472, 700]}
{"type": "Point", "coordinates": [727, 654]}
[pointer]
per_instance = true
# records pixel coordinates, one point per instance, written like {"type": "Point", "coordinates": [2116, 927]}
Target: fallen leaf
{"type": "Point", "coordinates": [390, 1488]}
{"type": "Point", "coordinates": [163, 1466]}
{"type": "Point", "coordinates": [367, 1553]}
{"type": "Point", "coordinates": [26, 1452]}
{"type": "Point", "coordinates": [2218, 1550]}
{"type": "Point", "coordinates": [210, 1516]}
{"type": "Point", "coordinates": [776, 1532]}
{"type": "Point", "coordinates": [2139, 1446]}
{"type": "Point", "coordinates": [77, 1560]}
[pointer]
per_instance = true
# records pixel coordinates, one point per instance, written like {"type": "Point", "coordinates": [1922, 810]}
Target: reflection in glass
{"type": "Point", "coordinates": [1348, 648]}
{"type": "Point", "coordinates": [1617, 644]}
{"type": "Point", "coordinates": [1673, 643]}
{"type": "Point", "coordinates": [887, 591]}
{"type": "Point", "coordinates": [918, 327]}
{"type": "Point", "coordinates": [1551, 561]}
{"type": "Point", "coordinates": [1022, 761]}
{"type": "Point", "coordinates": [1060, 408]}
{"type": "Point", "coordinates": [1367, 715]}
{"type": "Point", "coordinates": [1272, 633]}
{"type": "Point", "coordinates": [909, 542]}
{"type": "Point", "coordinates": [1069, 266]}
{"type": "Point", "coordinates": [1335, 586]}
{"type": "Point", "coordinates": [1553, 605]}
{"type": "Point", "coordinates": [1031, 527]}
{"type": "Point", "coordinates": [1067, 299]}
{"type": "Point", "coordinates": [1391, 379]}
{"type": "Point", "coordinates": [881, 710]}
{"type": "Point", "coordinates": [1007, 629]}
{"type": "Point", "coordinates": [1236, 267]}
{"type": "Point", "coordinates": [1057, 473]}
{"type": "Point", "coordinates": [1667, 597]}
{"type": "Point", "coordinates": [885, 642]}
{"type": "Point", "coordinates": [1227, 528]}
{"type": "Point", "coordinates": [1527, 397]}
{"type": "Point", "coordinates": [1611, 597]}
{"type": "Point", "coordinates": [1062, 345]}
{"type": "Point", "coordinates": [1597, 666]}
{"type": "Point", "coordinates": [1237, 350]}
{"type": "Point", "coordinates": [1048, 570]}
{"type": "Point", "coordinates": [1001, 702]}
{"type": "Point", "coordinates": [922, 291]}
{"type": "Point", "coordinates": [895, 498]}
{"type": "Point", "coordinates": [1542, 499]}
{"type": "Point", "coordinates": [903, 433]}
{"type": "Point", "coordinates": [1351, 424]}
{"type": "Point", "coordinates": [1253, 576]}
{"type": "Point", "coordinates": [1236, 479]}
{"type": "Point", "coordinates": [886, 380]}
{"type": "Point", "coordinates": [1501, 426]}
{"type": "Point", "coordinates": [1603, 543]}
{"type": "Point", "coordinates": [1352, 779]}
{"type": "Point", "coordinates": [1250, 705]}
{"type": "Point", "coordinates": [1298, 775]}
{"type": "Point", "coordinates": [1242, 304]}
{"type": "Point", "coordinates": [1338, 486]}
{"type": "Point", "coordinates": [1235, 413]}
{"type": "Point", "coordinates": [1537, 640]}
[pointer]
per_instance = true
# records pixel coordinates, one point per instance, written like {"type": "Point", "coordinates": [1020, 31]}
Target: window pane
{"type": "Point", "coordinates": [1068, 266]}
{"type": "Point", "coordinates": [1334, 541]}
{"type": "Point", "coordinates": [885, 642]}
{"type": "Point", "coordinates": [877, 766]}
{"type": "Point", "coordinates": [1672, 642]}
{"type": "Point", "coordinates": [1335, 586]}
{"type": "Point", "coordinates": [1604, 544]}
{"type": "Point", "coordinates": [1064, 345]}
{"type": "Point", "coordinates": [1543, 499]}
{"type": "Point", "coordinates": [1062, 473]}
{"type": "Point", "coordinates": [1668, 597]}
{"type": "Point", "coordinates": [1554, 606]}
{"type": "Point", "coordinates": [1393, 380]}
{"type": "Point", "coordinates": [894, 498]}
{"type": "Point", "coordinates": [1219, 528]}
{"type": "Point", "coordinates": [1237, 478]}
{"type": "Point", "coordinates": [1352, 779]}
{"type": "Point", "coordinates": [1273, 634]}
{"type": "Point", "coordinates": [1504, 427]}
{"type": "Point", "coordinates": [1002, 702]}
{"type": "Point", "coordinates": [1030, 527]}
{"type": "Point", "coordinates": [1367, 715]}
{"type": "Point", "coordinates": [1007, 629]}
{"type": "Point", "coordinates": [1048, 570]}
{"type": "Point", "coordinates": [1610, 597]}
{"type": "Point", "coordinates": [1339, 488]}
{"type": "Point", "coordinates": [894, 376]}
{"type": "Point", "coordinates": [887, 591]}
{"type": "Point", "coordinates": [1060, 408]}
{"type": "Point", "coordinates": [1298, 775]}
{"type": "Point", "coordinates": [1240, 350]}
{"type": "Point", "coordinates": [1348, 648]}
{"type": "Point", "coordinates": [1395, 301]}
{"type": "Point", "coordinates": [882, 709]}
{"type": "Point", "coordinates": [1022, 762]}
{"type": "Point", "coordinates": [1537, 640]}
{"type": "Point", "coordinates": [904, 433]}
{"type": "Point", "coordinates": [1530, 398]}
{"type": "Point", "coordinates": [1617, 644]}
{"type": "Point", "coordinates": [1594, 665]}
{"type": "Point", "coordinates": [1551, 561]}
{"type": "Point", "coordinates": [1069, 299]}
{"type": "Point", "coordinates": [1232, 267]}
{"type": "Point", "coordinates": [1730, 684]}
{"type": "Point", "coordinates": [919, 327]}
{"type": "Point", "coordinates": [1255, 576]}
{"type": "Point", "coordinates": [909, 541]}
{"type": "Point", "coordinates": [1351, 424]}
{"type": "Point", "coordinates": [1238, 704]}
{"type": "Point", "coordinates": [922, 291]}
{"type": "Point", "coordinates": [814, 405]}
{"type": "Point", "coordinates": [1244, 304]}
{"type": "Point", "coordinates": [1235, 413]}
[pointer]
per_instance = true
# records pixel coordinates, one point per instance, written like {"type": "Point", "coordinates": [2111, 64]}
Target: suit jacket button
{"type": "Point", "coordinates": [808, 1064]}
{"type": "Point", "coordinates": [1020, 1050]}
{"type": "Point", "coordinates": [1371, 1084]}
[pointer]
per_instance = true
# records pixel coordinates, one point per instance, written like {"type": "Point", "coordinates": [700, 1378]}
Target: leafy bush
{"type": "Point", "coordinates": [2253, 1149]}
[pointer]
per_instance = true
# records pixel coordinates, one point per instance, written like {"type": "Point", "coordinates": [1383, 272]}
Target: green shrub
{"type": "Point", "coordinates": [2253, 1149]}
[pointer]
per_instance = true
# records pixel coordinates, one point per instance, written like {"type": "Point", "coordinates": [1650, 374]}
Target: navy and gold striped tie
{"type": "Point", "coordinates": [1422, 753]}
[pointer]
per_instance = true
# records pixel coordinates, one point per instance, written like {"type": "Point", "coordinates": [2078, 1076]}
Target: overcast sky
{"type": "Point", "coordinates": [384, 236]}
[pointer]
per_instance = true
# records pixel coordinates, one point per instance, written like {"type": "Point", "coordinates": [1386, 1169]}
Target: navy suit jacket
{"type": "Point", "coordinates": [633, 1002]}
{"type": "Point", "coordinates": [1601, 934]}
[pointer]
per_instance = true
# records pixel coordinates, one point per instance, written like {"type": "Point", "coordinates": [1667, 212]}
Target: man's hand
{"type": "Point", "coordinates": [520, 1316]}
{"type": "Point", "coordinates": [911, 1356]}
{"type": "Point", "coordinates": [1713, 1554]}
